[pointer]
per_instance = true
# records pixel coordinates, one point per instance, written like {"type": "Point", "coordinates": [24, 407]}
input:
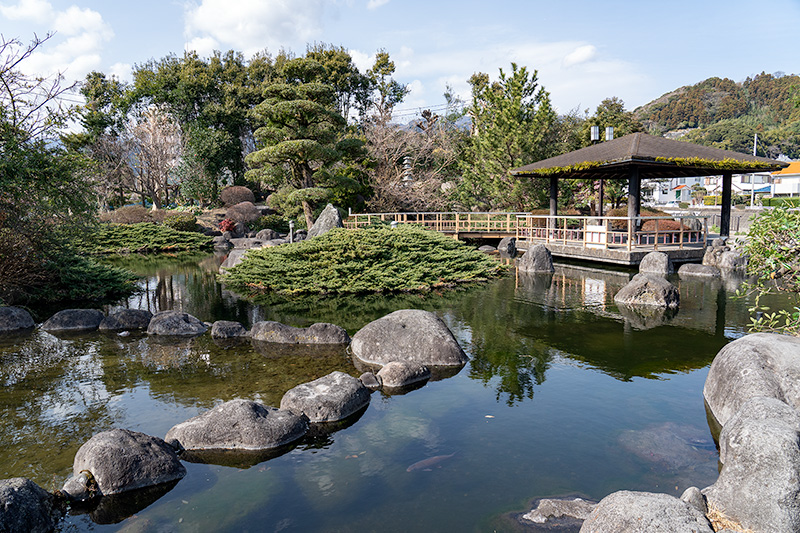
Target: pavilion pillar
{"type": "Point", "coordinates": [600, 201]}
{"type": "Point", "coordinates": [634, 194]}
{"type": "Point", "coordinates": [725, 215]}
{"type": "Point", "coordinates": [553, 196]}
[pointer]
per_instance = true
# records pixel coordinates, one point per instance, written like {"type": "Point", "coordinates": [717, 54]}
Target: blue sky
{"type": "Point", "coordinates": [584, 51]}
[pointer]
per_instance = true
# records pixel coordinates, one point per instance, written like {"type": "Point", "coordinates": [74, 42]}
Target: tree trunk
{"type": "Point", "coordinates": [309, 214]}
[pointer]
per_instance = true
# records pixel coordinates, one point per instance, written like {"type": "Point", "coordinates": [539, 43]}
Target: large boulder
{"type": "Point", "coordinates": [74, 321]}
{"type": "Point", "coordinates": [645, 512]}
{"type": "Point", "coordinates": [233, 258]}
{"type": "Point", "coordinates": [761, 364]}
{"type": "Point", "coordinates": [508, 247]}
{"type": "Point", "coordinates": [227, 329]}
{"type": "Point", "coordinates": [267, 235]}
{"type": "Point", "coordinates": [327, 399]}
{"type": "Point", "coordinates": [14, 319]}
{"type": "Point", "coordinates": [126, 319]}
{"type": "Point", "coordinates": [397, 375]}
{"type": "Point", "coordinates": [238, 425]}
{"type": "Point", "coordinates": [537, 259]}
{"type": "Point", "coordinates": [175, 323]}
{"type": "Point", "coordinates": [650, 290]}
{"type": "Point", "coordinates": [25, 506]}
{"type": "Point", "coordinates": [656, 263]}
{"type": "Point", "coordinates": [411, 336]}
{"type": "Point", "coordinates": [121, 460]}
{"type": "Point", "coordinates": [320, 333]}
{"type": "Point", "coordinates": [690, 270]}
{"type": "Point", "coordinates": [732, 261]}
{"type": "Point", "coordinates": [327, 220]}
{"type": "Point", "coordinates": [759, 485]}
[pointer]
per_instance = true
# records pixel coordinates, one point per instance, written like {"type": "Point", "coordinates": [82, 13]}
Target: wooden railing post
{"type": "Point", "coordinates": [681, 238]}
{"type": "Point", "coordinates": [630, 233]}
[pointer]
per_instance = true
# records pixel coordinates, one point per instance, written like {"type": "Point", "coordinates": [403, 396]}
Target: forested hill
{"type": "Point", "coordinates": [722, 113]}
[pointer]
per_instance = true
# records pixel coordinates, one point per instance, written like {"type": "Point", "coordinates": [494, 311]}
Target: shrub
{"type": "Point", "coordinates": [236, 194]}
{"type": "Point", "coordinates": [145, 237]}
{"type": "Point", "coordinates": [130, 214]}
{"type": "Point", "coordinates": [227, 225]}
{"type": "Point", "coordinates": [683, 205]}
{"type": "Point", "coordinates": [781, 202]}
{"type": "Point", "coordinates": [341, 261]}
{"type": "Point", "coordinates": [181, 221]}
{"type": "Point", "coordinates": [244, 212]}
{"type": "Point", "coordinates": [274, 222]}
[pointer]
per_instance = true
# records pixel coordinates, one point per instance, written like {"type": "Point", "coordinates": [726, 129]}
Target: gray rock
{"type": "Point", "coordinates": [396, 375]}
{"type": "Point", "coordinates": [370, 381]}
{"type": "Point", "coordinates": [175, 323]}
{"type": "Point", "coordinates": [508, 247]}
{"type": "Point", "coordinates": [238, 425]}
{"type": "Point", "coordinates": [695, 270]}
{"type": "Point", "coordinates": [713, 254]}
{"type": "Point", "coordinates": [657, 263]}
{"type": "Point", "coordinates": [761, 364]}
{"type": "Point", "coordinates": [234, 257]}
{"type": "Point", "coordinates": [548, 509]}
{"type": "Point", "coordinates": [487, 248]}
{"type": "Point", "coordinates": [645, 512]}
{"type": "Point", "coordinates": [695, 498]}
{"type": "Point", "coordinates": [408, 335]}
{"type": "Point", "coordinates": [14, 319]}
{"type": "Point", "coordinates": [319, 333]}
{"type": "Point", "coordinates": [644, 317]}
{"type": "Point", "coordinates": [222, 243]}
{"type": "Point", "coordinates": [126, 319]}
{"type": "Point", "coordinates": [648, 289]}
{"type": "Point", "coordinates": [25, 506]}
{"type": "Point", "coordinates": [719, 242]}
{"type": "Point", "coordinates": [245, 243]}
{"type": "Point", "coordinates": [759, 486]}
{"type": "Point", "coordinates": [74, 320]}
{"type": "Point", "coordinates": [537, 259]}
{"type": "Point", "coordinates": [267, 234]}
{"type": "Point", "coordinates": [274, 242]}
{"type": "Point", "coordinates": [328, 219]}
{"type": "Point", "coordinates": [120, 460]}
{"type": "Point", "coordinates": [327, 399]}
{"type": "Point", "coordinates": [731, 261]}
{"type": "Point", "coordinates": [226, 329]}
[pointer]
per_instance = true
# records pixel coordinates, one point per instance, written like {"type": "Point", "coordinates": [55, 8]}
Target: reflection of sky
{"type": "Point", "coordinates": [594, 292]}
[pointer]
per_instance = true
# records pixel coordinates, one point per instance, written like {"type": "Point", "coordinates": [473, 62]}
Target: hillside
{"type": "Point", "coordinates": [726, 114]}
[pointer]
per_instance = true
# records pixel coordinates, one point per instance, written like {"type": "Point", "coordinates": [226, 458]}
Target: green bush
{"type": "Point", "coordinates": [181, 221]}
{"type": "Point", "coordinates": [274, 222]}
{"type": "Point", "coordinates": [145, 237]}
{"type": "Point", "coordinates": [780, 202]}
{"type": "Point", "coordinates": [712, 200]}
{"type": "Point", "coordinates": [683, 205]}
{"type": "Point", "coordinates": [128, 214]}
{"type": "Point", "coordinates": [341, 261]}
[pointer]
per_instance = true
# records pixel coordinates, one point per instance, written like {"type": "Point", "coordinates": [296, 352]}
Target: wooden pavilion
{"type": "Point", "coordinates": [641, 156]}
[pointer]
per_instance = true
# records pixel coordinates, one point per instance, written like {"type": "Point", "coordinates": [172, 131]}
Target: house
{"type": "Point", "coordinates": [786, 182]}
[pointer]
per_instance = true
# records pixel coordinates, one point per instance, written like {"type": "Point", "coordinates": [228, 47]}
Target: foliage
{"type": "Point", "coordinates": [611, 113]}
{"type": "Point", "coordinates": [362, 261]}
{"type": "Point", "coordinates": [80, 278]}
{"type": "Point", "coordinates": [236, 194]}
{"type": "Point", "coordinates": [780, 202]}
{"type": "Point", "coordinates": [181, 221]}
{"type": "Point", "coordinates": [144, 237]}
{"type": "Point", "coordinates": [273, 222]}
{"type": "Point", "coordinates": [773, 250]}
{"type": "Point", "coordinates": [513, 124]}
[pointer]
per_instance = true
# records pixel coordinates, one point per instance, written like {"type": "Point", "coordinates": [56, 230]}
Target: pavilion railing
{"type": "Point", "coordinates": [612, 232]}
{"type": "Point", "coordinates": [445, 222]}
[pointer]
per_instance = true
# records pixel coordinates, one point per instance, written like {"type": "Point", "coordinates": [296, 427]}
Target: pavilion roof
{"type": "Point", "coordinates": [654, 157]}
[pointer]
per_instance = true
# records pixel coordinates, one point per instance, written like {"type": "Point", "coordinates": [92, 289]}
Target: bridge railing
{"type": "Point", "coordinates": [612, 232]}
{"type": "Point", "coordinates": [445, 222]}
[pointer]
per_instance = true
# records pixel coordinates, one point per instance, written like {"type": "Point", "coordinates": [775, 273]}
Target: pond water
{"type": "Point", "coordinates": [563, 395]}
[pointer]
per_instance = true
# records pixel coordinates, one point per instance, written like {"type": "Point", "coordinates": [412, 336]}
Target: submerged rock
{"type": "Point", "coordinates": [695, 270]}
{"type": "Point", "coordinates": [408, 335]}
{"type": "Point", "coordinates": [15, 319]}
{"type": "Point", "coordinates": [74, 320]}
{"type": "Point", "coordinates": [226, 329]}
{"type": "Point", "coordinates": [238, 425]}
{"type": "Point", "coordinates": [648, 289]}
{"type": "Point", "coordinates": [657, 263]}
{"type": "Point", "coordinates": [120, 460]}
{"type": "Point", "coordinates": [560, 514]}
{"type": "Point", "coordinates": [537, 259]}
{"type": "Point", "coordinates": [25, 506]}
{"type": "Point", "coordinates": [126, 319]}
{"type": "Point", "coordinates": [175, 323]}
{"type": "Point", "coordinates": [327, 399]}
{"type": "Point", "coordinates": [319, 333]}
{"type": "Point", "coordinates": [645, 512]}
{"type": "Point", "coordinates": [396, 375]}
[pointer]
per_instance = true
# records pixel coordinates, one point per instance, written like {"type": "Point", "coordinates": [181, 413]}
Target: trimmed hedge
{"type": "Point", "coordinates": [144, 237]}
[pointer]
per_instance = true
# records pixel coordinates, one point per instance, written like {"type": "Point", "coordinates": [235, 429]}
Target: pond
{"type": "Point", "coordinates": [563, 395]}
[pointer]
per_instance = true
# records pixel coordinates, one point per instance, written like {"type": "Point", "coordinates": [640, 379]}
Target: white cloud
{"type": "Point", "coordinates": [122, 71]}
{"type": "Point", "coordinates": [252, 25]}
{"type": "Point", "coordinates": [375, 4]}
{"type": "Point", "coordinates": [34, 10]}
{"type": "Point", "coordinates": [361, 60]}
{"type": "Point", "coordinates": [582, 54]}
{"type": "Point", "coordinates": [204, 46]}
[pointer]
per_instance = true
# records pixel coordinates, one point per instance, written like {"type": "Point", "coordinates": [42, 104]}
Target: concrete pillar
{"type": "Point", "coordinates": [553, 196]}
{"type": "Point", "coordinates": [725, 222]}
{"type": "Point", "coordinates": [634, 193]}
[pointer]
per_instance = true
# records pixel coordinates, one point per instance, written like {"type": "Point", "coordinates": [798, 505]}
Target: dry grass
{"type": "Point", "coordinates": [719, 521]}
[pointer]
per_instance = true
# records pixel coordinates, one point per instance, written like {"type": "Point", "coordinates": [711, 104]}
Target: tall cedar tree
{"type": "Point", "coordinates": [512, 122]}
{"type": "Point", "coordinates": [302, 137]}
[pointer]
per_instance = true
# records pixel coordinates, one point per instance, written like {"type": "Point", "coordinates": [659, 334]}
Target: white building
{"type": "Point", "coordinates": [786, 182]}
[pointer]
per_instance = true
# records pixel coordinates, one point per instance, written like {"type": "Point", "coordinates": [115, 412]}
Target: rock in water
{"type": "Point", "coordinates": [14, 319]}
{"type": "Point", "coordinates": [648, 289]}
{"type": "Point", "coordinates": [120, 460]}
{"type": "Point", "coordinates": [693, 269]}
{"type": "Point", "coordinates": [411, 336]}
{"type": "Point", "coordinates": [656, 263]}
{"type": "Point", "coordinates": [25, 506]}
{"type": "Point", "coordinates": [645, 512]}
{"type": "Point", "coordinates": [74, 321]}
{"type": "Point", "coordinates": [327, 399]}
{"type": "Point", "coordinates": [396, 375]}
{"type": "Point", "coordinates": [328, 219]}
{"type": "Point", "coordinates": [238, 425]}
{"type": "Point", "coordinates": [175, 323]}
{"type": "Point", "coordinates": [537, 259]}
{"type": "Point", "coordinates": [319, 333]}
{"type": "Point", "coordinates": [126, 319]}
{"type": "Point", "coordinates": [226, 329]}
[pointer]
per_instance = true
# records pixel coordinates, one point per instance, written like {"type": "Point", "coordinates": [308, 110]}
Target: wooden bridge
{"type": "Point", "coordinates": [618, 240]}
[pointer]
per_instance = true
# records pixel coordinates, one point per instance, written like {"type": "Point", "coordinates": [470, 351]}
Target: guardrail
{"type": "Point", "coordinates": [444, 222]}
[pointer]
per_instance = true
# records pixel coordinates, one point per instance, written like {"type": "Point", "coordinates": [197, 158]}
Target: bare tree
{"type": "Point", "coordinates": [156, 149]}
